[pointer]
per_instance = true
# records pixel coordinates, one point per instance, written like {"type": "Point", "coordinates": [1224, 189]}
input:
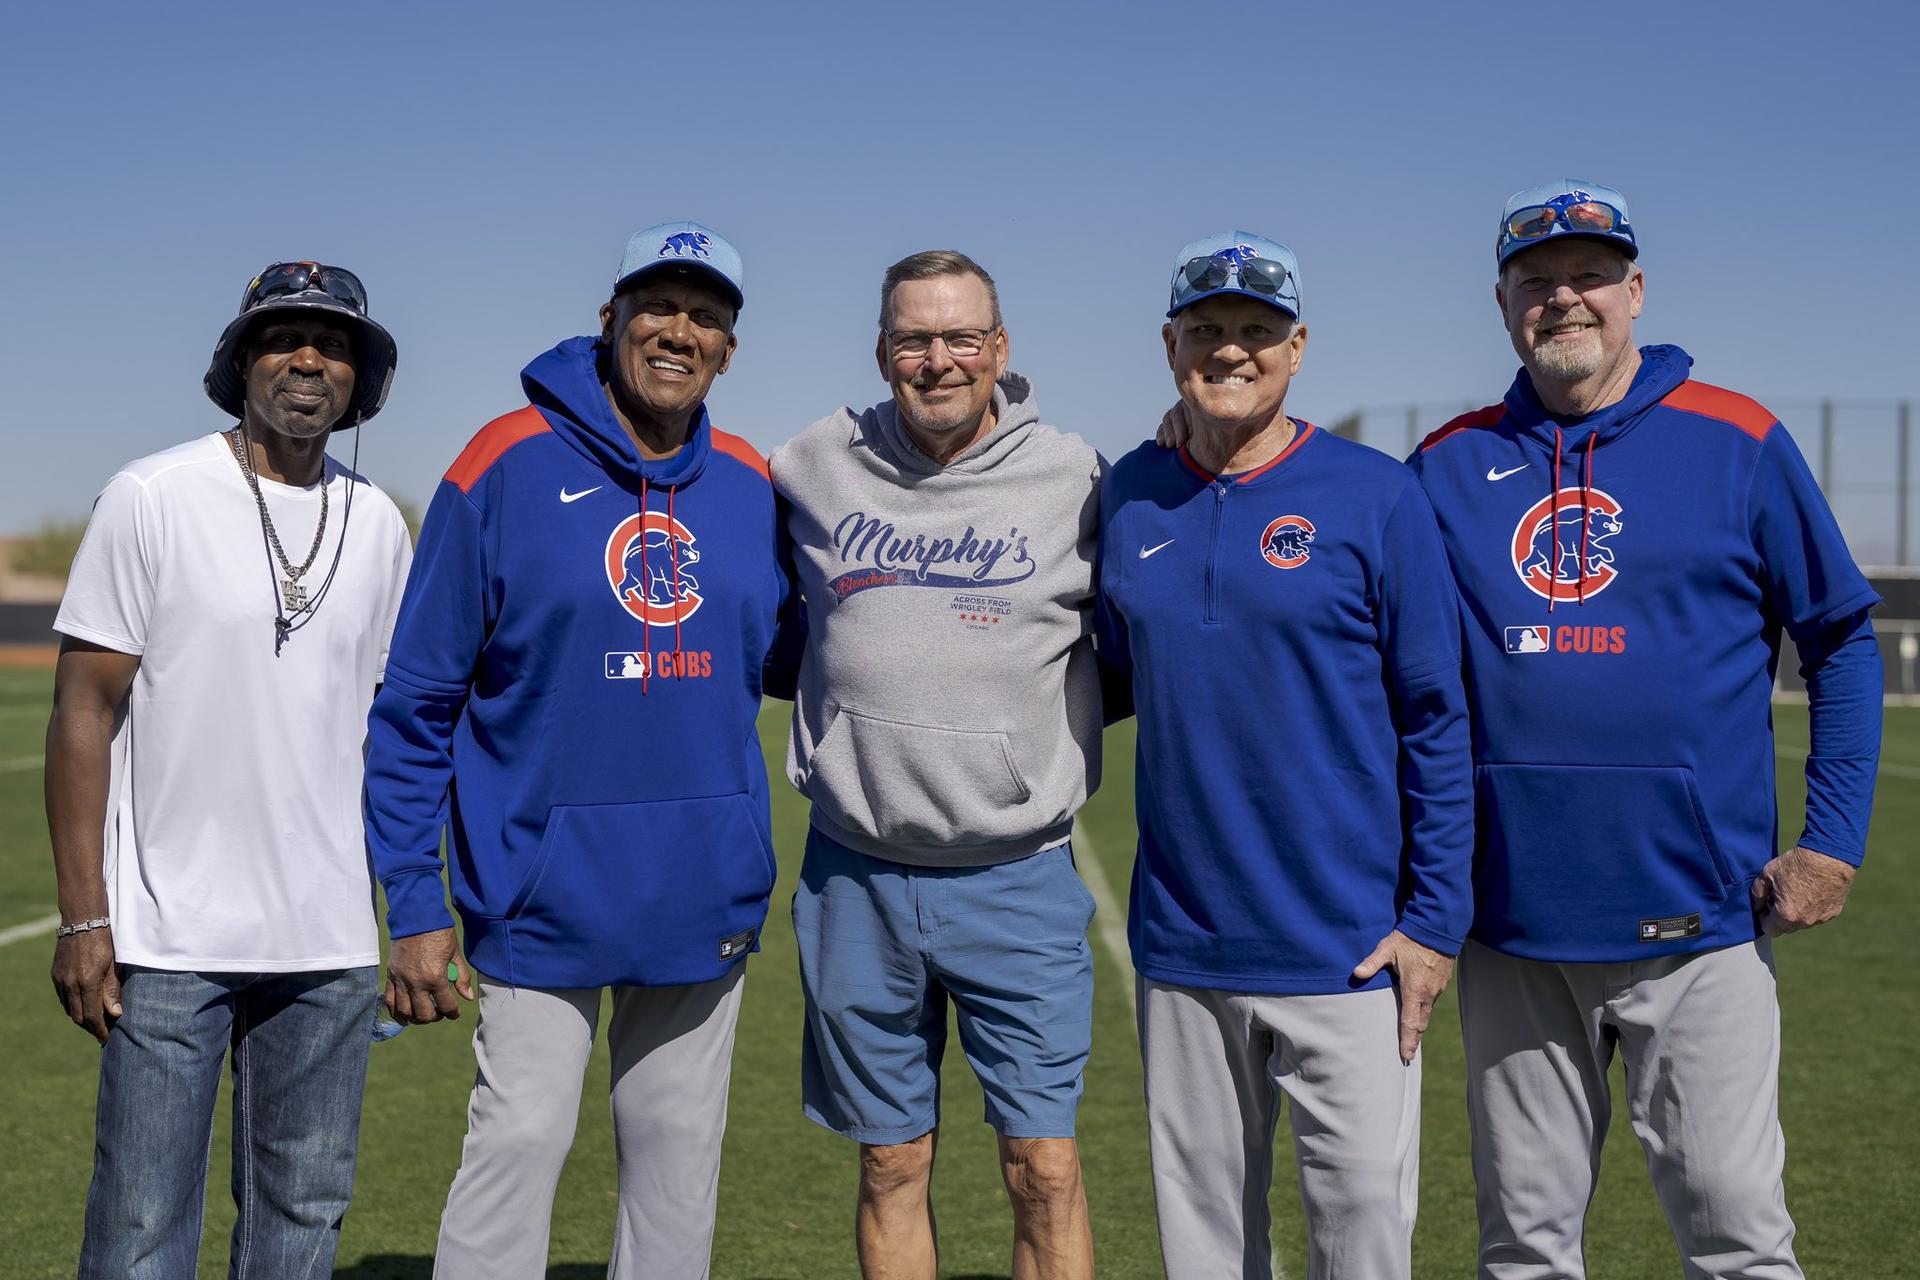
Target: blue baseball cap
{"type": "Point", "coordinates": [683, 246]}
{"type": "Point", "coordinates": [1226, 263]}
{"type": "Point", "coordinates": [1568, 207]}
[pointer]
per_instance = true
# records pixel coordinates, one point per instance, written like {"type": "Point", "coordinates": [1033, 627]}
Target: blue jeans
{"type": "Point", "coordinates": [299, 1043]}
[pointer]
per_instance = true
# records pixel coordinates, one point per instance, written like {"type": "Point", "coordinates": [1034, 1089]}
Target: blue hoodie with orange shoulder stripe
{"type": "Point", "coordinates": [1625, 578]}
{"type": "Point", "coordinates": [571, 695]}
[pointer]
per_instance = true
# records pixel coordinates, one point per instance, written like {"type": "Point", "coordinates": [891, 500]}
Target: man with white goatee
{"type": "Point", "coordinates": [1630, 545]}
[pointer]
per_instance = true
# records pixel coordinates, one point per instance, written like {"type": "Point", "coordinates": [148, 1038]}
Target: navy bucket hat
{"type": "Point", "coordinates": [306, 286]}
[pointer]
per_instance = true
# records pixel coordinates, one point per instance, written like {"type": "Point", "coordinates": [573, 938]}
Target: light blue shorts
{"type": "Point", "coordinates": [884, 946]}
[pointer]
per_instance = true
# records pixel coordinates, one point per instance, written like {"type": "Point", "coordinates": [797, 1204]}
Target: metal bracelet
{"type": "Point", "coordinates": [81, 926]}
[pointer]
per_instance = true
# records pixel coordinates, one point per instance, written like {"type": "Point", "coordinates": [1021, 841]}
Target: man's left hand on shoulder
{"type": "Point", "coordinates": [1800, 889]}
{"type": "Point", "coordinates": [1420, 974]}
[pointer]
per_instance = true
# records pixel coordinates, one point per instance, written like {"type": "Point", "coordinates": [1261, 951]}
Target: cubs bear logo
{"type": "Point", "coordinates": [648, 562]}
{"type": "Point", "coordinates": [1560, 547]}
{"type": "Point", "coordinates": [1286, 540]}
{"type": "Point", "coordinates": [685, 244]}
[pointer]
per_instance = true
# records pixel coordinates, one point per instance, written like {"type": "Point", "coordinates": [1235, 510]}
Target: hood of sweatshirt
{"type": "Point", "coordinates": [566, 384]}
{"type": "Point", "coordinates": [1662, 368]}
{"type": "Point", "coordinates": [1015, 415]}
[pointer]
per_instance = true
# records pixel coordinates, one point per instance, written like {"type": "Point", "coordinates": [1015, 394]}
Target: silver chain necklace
{"type": "Point", "coordinates": [292, 593]}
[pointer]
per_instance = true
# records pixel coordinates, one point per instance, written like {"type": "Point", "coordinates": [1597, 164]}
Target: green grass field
{"type": "Point", "coordinates": [1850, 1100]}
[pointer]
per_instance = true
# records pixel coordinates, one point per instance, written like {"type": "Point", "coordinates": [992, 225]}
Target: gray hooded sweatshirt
{"type": "Point", "coordinates": [948, 711]}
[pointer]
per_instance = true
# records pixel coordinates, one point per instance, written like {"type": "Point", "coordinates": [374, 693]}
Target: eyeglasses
{"type": "Point", "coordinates": [1537, 221]}
{"type": "Point", "coordinates": [914, 345]}
{"type": "Point", "coordinates": [1263, 276]}
{"type": "Point", "coordinates": [283, 278]}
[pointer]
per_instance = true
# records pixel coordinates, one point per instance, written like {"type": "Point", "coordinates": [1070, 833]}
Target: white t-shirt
{"type": "Point", "coordinates": [234, 839]}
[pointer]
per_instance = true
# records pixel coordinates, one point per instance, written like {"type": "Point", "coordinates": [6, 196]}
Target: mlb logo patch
{"type": "Point", "coordinates": [626, 666]}
{"type": "Point", "coordinates": [1670, 928]}
{"type": "Point", "coordinates": [1527, 640]}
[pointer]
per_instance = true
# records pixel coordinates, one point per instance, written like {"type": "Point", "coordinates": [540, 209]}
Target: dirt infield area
{"type": "Point", "coordinates": [28, 657]}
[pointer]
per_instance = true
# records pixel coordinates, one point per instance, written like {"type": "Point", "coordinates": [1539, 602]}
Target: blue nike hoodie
{"type": "Point", "coordinates": [571, 694]}
{"type": "Point", "coordinates": [1624, 579]}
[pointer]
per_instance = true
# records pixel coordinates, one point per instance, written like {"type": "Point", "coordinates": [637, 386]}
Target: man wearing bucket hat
{"type": "Point", "coordinates": [203, 782]}
{"type": "Point", "coordinates": [1278, 598]}
{"type": "Point", "coordinates": [571, 698]}
{"type": "Point", "coordinates": [1629, 545]}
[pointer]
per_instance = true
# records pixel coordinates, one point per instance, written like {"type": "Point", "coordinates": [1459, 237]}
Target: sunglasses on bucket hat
{"type": "Point", "coordinates": [283, 279]}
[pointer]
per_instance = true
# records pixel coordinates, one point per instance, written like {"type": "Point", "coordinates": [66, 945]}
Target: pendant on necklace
{"type": "Point", "coordinates": [294, 596]}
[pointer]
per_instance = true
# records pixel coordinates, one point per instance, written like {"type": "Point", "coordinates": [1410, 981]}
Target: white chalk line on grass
{"type": "Point", "coordinates": [23, 762]}
{"type": "Point", "coordinates": [1109, 921]}
{"type": "Point", "coordinates": [31, 929]}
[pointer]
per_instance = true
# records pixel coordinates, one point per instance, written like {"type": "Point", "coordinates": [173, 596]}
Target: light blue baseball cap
{"type": "Point", "coordinates": [1236, 262]}
{"type": "Point", "coordinates": [1568, 207]}
{"type": "Point", "coordinates": [684, 246]}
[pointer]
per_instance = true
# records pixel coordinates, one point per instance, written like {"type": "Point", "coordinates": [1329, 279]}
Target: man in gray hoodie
{"type": "Point", "coordinates": [946, 728]}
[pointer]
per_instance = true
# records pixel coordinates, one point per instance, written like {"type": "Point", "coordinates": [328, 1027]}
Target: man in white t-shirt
{"type": "Point", "coordinates": [224, 627]}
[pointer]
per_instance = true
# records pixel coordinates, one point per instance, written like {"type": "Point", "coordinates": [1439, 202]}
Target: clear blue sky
{"type": "Point", "coordinates": [481, 166]}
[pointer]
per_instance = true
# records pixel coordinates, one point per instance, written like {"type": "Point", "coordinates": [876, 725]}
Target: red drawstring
{"type": "Point", "coordinates": [1553, 567]}
{"type": "Point", "coordinates": [673, 549]}
{"type": "Point", "coordinates": [646, 594]}
{"type": "Point", "coordinates": [1586, 518]}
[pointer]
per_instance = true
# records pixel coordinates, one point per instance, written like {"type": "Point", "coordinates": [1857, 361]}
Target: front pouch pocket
{"type": "Point", "coordinates": [916, 784]}
{"type": "Point", "coordinates": [1574, 857]}
{"type": "Point", "coordinates": [642, 893]}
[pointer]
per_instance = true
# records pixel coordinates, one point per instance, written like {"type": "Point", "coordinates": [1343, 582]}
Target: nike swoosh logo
{"type": "Point", "coordinates": [1502, 475]}
{"type": "Point", "coordinates": [575, 497]}
{"type": "Point", "coordinates": [1147, 551]}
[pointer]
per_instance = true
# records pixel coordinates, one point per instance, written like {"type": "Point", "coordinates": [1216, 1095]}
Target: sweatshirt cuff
{"type": "Point", "coordinates": [416, 903]}
{"type": "Point", "coordinates": [1837, 850]}
{"type": "Point", "coordinates": [1445, 943]}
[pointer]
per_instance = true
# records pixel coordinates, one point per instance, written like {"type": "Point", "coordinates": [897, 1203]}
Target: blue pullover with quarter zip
{"type": "Point", "coordinates": [1625, 578]}
{"type": "Point", "coordinates": [571, 696]}
{"type": "Point", "coordinates": [1303, 780]}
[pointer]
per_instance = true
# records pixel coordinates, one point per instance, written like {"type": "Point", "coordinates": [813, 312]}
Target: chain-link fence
{"type": "Point", "coordinates": [1860, 450]}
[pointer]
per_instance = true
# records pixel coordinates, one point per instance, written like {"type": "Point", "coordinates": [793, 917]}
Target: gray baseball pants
{"type": "Point", "coordinates": [1218, 1064]}
{"type": "Point", "coordinates": [1699, 1036]}
{"type": "Point", "coordinates": [672, 1052]}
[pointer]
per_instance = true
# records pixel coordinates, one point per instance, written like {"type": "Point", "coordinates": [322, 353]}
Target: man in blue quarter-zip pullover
{"type": "Point", "coordinates": [1279, 599]}
{"type": "Point", "coordinates": [571, 695]}
{"type": "Point", "coordinates": [1629, 545]}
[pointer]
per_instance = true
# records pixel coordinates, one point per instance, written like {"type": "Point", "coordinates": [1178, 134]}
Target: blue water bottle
{"type": "Point", "coordinates": [385, 1025]}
